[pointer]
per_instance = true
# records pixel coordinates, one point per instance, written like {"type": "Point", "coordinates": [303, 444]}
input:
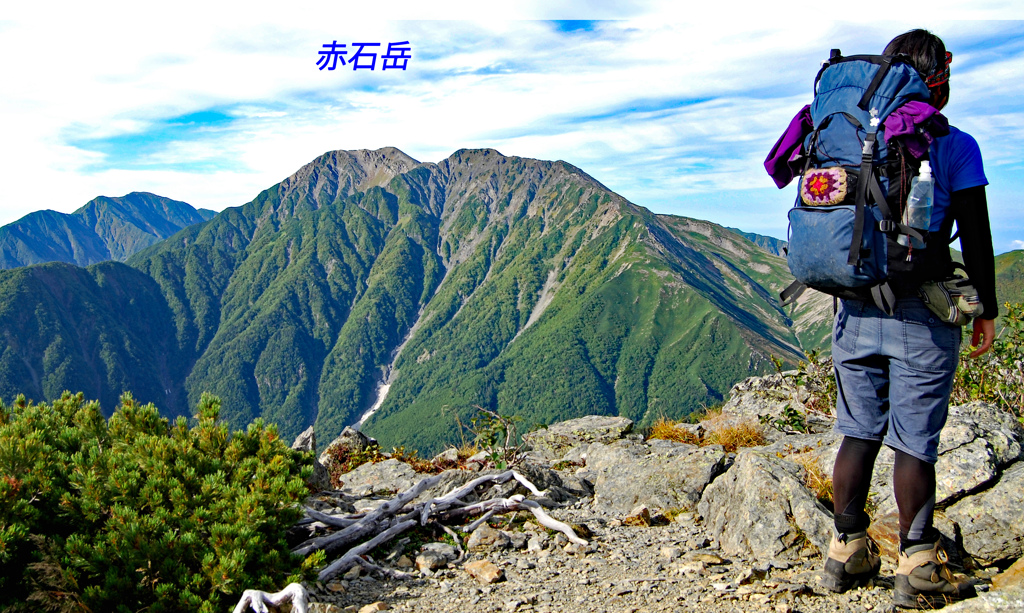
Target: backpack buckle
{"type": "Point", "coordinates": [888, 225]}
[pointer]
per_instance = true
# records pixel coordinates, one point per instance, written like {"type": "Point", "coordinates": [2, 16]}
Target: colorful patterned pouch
{"type": "Point", "coordinates": [824, 186]}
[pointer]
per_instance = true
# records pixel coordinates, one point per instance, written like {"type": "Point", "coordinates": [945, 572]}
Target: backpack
{"type": "Point", "coordinates": [844, 226]}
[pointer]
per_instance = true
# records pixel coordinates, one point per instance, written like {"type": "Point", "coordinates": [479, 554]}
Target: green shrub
{"type": "Point", "coordinates": [134, 513]}
{"type": "Point", "coordinates": [997, 376]}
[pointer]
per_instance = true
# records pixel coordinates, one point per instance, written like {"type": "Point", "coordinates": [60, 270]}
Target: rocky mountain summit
{"type": "Point", "coordinates": [677, 526]}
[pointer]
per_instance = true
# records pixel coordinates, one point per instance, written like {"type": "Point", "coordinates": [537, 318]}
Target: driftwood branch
{"type": "Point", "coordinates": [395, 516]}
{"type": "Point", "coordinates": [473, 526]}
{"type": "Point", "coordinates": [368, 524]}
{"type": "Point", "coordinates": [550, 522]}
{"type": "Point", "coordinates": [458, 542]}
{"type": "Point", "coordinates": [346, 561]}
{"type": "Point", "coordinates": [258, 601]}
{"type": "Point", "coordinates": [331, 520]}
{"type": "Point", "coordinates": [516, 503]}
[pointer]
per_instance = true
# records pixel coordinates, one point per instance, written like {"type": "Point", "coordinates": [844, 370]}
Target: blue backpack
{"type": "Point", "coordinates": [847, 217]}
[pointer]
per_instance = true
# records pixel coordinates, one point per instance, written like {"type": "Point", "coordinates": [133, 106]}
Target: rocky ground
{"type": "Point", "coordinates": [674, 567]}
{"type": "Point", "coordinates": [673, 526]}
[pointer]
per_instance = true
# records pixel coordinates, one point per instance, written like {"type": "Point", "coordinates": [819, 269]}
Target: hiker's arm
{"type": "Point", "coordinates": [971, 210]}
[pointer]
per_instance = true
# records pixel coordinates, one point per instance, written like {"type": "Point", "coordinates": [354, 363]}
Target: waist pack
{"type": "Point", "coordinates": [844, 226]}
{"type": "Point", "coordinates": [953, 300]}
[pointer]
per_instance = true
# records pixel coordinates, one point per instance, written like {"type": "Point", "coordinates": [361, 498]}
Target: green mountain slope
{"type": "Point", "coordinates": [368, 280]}
{"type": "Point", "coordinates": [770, 244]}
{"type": "Point", "coordinates": [104, 229]}
{"type": "Point", "coordinates": [1010, 277]}
{"type": "Point", "coordinates": [102, 330]}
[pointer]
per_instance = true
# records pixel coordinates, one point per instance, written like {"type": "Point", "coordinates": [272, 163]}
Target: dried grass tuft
{"type": "Point", "coordinates": [666, 429]}
{"type": "Point", "coordinates": [718, 431]}
{"type": "Point", "coordinates": [816, 479]}
{"type": "Point", "coordinates": [736, 436]}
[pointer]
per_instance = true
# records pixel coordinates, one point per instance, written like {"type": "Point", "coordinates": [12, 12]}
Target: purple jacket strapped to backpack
{"type": "Point", "coordinates": [918, 122]}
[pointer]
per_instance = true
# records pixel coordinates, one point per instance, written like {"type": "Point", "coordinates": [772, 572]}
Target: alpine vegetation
{"type": "Point", "coordinates": [133, 512]}
{"type": "Point", "coordinates": [371, 288]}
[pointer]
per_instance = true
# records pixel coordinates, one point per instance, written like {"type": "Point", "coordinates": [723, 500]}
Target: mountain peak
{"type": "Point", "coordinates": [105, 228]}
{"type": "Point", "coordinates": [338, 174]}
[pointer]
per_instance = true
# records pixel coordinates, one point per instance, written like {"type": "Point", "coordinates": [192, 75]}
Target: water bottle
{"type": "Point", "coordinates": [918, 214]}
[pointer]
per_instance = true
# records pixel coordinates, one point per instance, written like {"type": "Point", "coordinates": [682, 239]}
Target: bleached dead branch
{"type": "Point", "coordinates": [258, 600]}
{"type": "Point", "coordinates": [394, 517]}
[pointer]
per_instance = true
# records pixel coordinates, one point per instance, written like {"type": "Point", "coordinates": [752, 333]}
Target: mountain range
{"type": "Point", "coordinates": [368, 287]}
{"type": "Point", "coordinates": [103, 229]}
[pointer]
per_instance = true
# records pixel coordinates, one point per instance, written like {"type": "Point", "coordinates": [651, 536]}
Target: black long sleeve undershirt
{"type": "Point", "coordinates": [970, 209]}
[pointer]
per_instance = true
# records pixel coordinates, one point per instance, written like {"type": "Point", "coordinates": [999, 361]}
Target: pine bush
{"type": "Point", "coordinates": [134, 513]}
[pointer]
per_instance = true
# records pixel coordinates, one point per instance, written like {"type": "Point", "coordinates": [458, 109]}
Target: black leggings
{"type": "Point", "coordinates": [913, 485]}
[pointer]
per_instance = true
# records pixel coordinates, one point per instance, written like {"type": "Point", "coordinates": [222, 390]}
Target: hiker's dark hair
{"type": "Point", "coordinates": [928, 56]}
{"type": "Point", "coordinates": [927, 51]}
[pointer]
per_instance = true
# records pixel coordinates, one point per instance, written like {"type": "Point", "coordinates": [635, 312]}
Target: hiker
{"type": "Point", "coordinates": [863, 149]}
{"type": "Point", "coordinates": [895, 373]}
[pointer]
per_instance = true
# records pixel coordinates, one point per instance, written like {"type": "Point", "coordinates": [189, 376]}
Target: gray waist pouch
{"type": "Point", "coordinates": [953, 300]}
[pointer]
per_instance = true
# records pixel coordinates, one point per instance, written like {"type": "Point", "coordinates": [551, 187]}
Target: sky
{"type": "Point", "coordinates": [674, 107]}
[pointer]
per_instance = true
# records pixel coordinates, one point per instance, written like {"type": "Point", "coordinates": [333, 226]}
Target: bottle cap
{"type": "Point", "coordinates": [926, 169]}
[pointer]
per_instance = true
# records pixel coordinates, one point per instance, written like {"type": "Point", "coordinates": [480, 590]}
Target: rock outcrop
{"type": "Point", "coordinates": [320, 479]}
{"type": "Point", "coordinates": [762, 507]}
{"type": "Point", "coordinates": [741, 529]}
{"type": "Point", "coordinates": [555, 441]}
{"type": "Point", "coordinates": [658, 474]}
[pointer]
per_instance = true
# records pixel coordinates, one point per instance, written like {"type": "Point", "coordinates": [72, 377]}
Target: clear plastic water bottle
{"type": "Point", "coordinates": [918, 214]}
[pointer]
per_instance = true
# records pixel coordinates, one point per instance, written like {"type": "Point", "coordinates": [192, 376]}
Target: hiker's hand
{"type": "Point", "coordinates": [984, 332]}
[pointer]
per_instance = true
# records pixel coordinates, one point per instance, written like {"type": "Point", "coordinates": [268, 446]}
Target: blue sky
{"type": "Point", "coordinates": [672, 108]}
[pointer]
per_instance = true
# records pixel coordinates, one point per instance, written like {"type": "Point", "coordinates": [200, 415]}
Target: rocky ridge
{"type": "Point", "coordinates": [679, 527]}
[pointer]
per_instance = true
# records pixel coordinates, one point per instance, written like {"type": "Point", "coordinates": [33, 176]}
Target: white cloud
{"type": "Point", "coordinates": [609, 101]}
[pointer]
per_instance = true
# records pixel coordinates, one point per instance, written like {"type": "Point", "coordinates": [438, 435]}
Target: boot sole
{"type": "Point", "coordinates": [837, 585]}
{"type": "Point", "coordinates": [839, 581]}
{"type": "Point", "coordinates": [925, 601]}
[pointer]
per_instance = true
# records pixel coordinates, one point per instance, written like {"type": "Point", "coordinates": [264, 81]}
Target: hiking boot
{"type": "Point", "coordinates": [852, 561]}
{"type": "Point", "coordinates": [923, 581]}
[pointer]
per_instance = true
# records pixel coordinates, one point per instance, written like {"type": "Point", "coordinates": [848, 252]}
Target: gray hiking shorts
{"type": "Point", "coordinates": [894, 374]}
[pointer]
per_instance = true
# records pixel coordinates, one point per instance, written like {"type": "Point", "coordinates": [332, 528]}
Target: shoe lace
{"type": "Point", "coordinates": [943, 568]}
{"type": "Point", "coordinates": [873, 547]}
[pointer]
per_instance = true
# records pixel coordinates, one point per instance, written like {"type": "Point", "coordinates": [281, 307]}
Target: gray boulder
{"type": "Point", "coordinates": [765, 395]}
{"type": "Point", "coordinates": [553, 442]}
{"type": "Point", "coordinates": [380, 478]}
{"type": "Point", "coordinates": [765, 399]}
{"type": "Point", "coordinates": [486, 538]}
{"type": "Point", "coordinates": [979, 440]}
{"type": "Point", "coordinates": [992, 522]}
{"type": "Point", "coordinates": [349, 439]}
{"type": "Point", "coordinates": [979, 478]}
{"type": "Point", "coordinates": [448, 551]}
{"type": "Point", "coordinates": [320, 480]}
{"type": "Point", "coordinates": [305, 441]}
{"type": "Point", "coordinates": [977, 443]}
{"type": "Point", "coordinates": [430, 561]}
{"type": "Point", "coordinates": [659, 474]}
{"type": "Point", "coordinates": [996, 601]}
{"type": "Point", "coordinates": [761, 507]}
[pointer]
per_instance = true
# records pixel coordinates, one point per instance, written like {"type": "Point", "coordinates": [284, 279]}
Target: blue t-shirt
{"type": "Point", "coordinates": [956, 165]}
